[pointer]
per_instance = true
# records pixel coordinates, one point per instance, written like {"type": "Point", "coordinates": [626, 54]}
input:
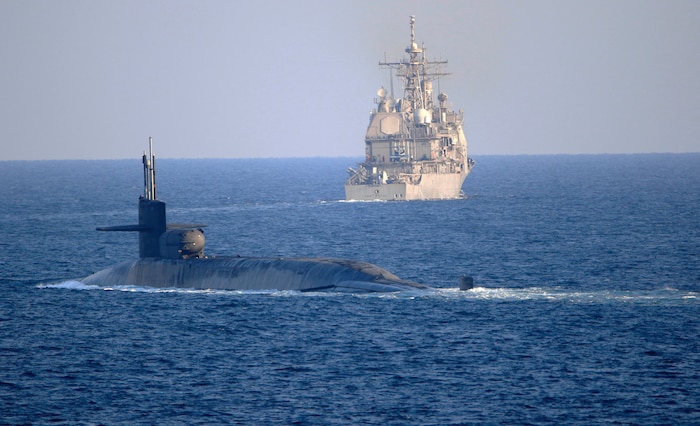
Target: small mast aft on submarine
{"type": "Point", "coordinates": [173, 256]}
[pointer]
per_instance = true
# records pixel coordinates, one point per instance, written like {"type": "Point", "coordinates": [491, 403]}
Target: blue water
{"type": "Point", "coordinates": [586, 309]}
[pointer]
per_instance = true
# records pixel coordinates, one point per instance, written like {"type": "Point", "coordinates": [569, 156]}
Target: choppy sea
{"type": "Point", "coordinates": [585, 311]}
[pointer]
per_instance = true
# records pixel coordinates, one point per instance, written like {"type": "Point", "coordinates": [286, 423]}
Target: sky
{"type": "Point", "coordinates": [256, 79]}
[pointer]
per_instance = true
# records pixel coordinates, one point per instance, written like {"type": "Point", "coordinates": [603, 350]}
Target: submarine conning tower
{"type": "Point", "coordinates": [156, 238]}
{"type": "Point", "coordinates": [151, 210]}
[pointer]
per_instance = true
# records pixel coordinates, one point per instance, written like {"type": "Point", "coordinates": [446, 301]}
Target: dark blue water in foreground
{"type": "Point", "coordinates": [586, 311]}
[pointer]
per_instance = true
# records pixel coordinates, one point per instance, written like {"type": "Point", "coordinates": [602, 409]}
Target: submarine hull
{"type": "Point", "coordinates": [172, 256]}
{"type": "Point", "coordinates": [241, 273]}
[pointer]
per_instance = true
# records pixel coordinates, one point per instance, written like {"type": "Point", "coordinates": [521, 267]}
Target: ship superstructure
{"type": "Point", "coordinates": [415, 148]}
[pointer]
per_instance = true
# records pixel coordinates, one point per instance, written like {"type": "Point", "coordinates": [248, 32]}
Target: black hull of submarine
{"type": "Point", "coordinates": [241, 273]}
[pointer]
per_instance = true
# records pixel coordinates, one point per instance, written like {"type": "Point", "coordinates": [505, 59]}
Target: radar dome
{"type": "Point", "coordinates": [422, 116]}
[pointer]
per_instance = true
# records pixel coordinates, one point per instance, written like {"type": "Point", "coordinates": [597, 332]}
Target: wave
{"type": "Point", "coordinates": [77, 285]}
{"type": "Point", "coordinates": [362, 201]}
{"type": "Point", "coordinates": [662, 296]}
{"type": "Point", "coordinates": [555, 294]}
{"type": "Point", "coordinates": [71, 285]}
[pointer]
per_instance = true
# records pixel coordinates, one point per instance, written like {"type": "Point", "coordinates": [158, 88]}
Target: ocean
{"type": "Point", "coordinates": [585, 311]}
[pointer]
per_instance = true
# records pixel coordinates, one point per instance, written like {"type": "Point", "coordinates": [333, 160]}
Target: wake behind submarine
{"type": "Point", "coordinates": [173, 256]}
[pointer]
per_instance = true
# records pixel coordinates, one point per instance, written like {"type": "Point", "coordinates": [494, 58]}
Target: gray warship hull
{"type": "Point", "coordinates": [430, 187]}
{"type": "Point", "coordinates": [241, 273]}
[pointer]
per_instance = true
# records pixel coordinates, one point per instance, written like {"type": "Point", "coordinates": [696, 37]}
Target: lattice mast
{"type": "Point", "coordinates": [415, 72]}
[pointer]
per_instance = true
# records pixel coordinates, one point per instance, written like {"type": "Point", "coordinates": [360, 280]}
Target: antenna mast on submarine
{"type": "Point", "coordinates": [149, 172]}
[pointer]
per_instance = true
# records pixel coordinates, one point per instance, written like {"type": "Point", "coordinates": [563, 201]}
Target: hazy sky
{"type": "Point", "coordinates": [227, 79]}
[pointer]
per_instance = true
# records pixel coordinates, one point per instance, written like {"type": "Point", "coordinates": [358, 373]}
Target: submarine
{"type": "Point", "coordinates": [172, 256]}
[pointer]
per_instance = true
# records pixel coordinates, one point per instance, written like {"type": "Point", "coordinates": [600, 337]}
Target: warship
{"type": "Point", "coordinates": [172, 255]}
{"type": "Point", "coordinates": [415, 149]}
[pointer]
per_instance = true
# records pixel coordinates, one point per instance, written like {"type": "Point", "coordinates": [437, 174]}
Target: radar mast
{"type": "Point", "coordinates": [149, 172]}
{"type": "Point", "coordinates": [416, 71]}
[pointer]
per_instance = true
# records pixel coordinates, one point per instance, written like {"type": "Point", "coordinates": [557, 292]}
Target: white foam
{"type": "Point", "coordinates": [362, 201]}
{"type": "Point", "coordinates": [71, 285]}
{"type": "Point", "coordinates": [663, 296]}
{"type": "Point", "coordinates": [569, 295]}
